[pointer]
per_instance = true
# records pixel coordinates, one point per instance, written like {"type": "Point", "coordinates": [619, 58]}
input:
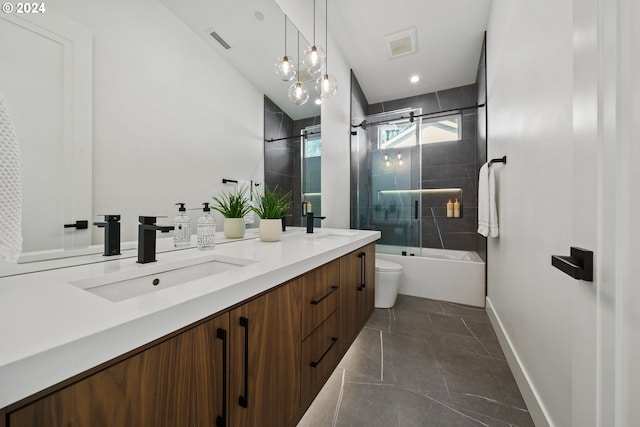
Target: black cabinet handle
{"type": "Point", "coordinates": [333, 289]}
{"type": "Point", "coordinates": [334, 340]}
{"type": "Point", "coordinates": [415, 210]}
{"type": "Point", "coordinates": [244, 400]}
{"type": "Point", "coordinates": [578, 265]}
{"type": "Point", "coordinates": [363, 270]}
{"type": "Point", "coordinates": [221, 421]}
{"type": "Point", "coordinates": [79, 225]}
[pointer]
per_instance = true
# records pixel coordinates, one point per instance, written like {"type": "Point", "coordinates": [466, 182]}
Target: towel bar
{"type": "Point", "coordinates": [499, 160]}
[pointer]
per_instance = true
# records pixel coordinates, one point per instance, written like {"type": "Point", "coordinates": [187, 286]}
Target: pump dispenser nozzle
{"type": "Point", "coordinates": [181, 208]}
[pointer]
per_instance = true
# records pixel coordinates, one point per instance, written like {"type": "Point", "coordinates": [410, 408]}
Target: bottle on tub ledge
{"type": "Point", "coordinates": [449, 209]}
{"type": "Point", "coordinates": [456, 209]}
{"type": "Point", "coordinates": [206, 229]}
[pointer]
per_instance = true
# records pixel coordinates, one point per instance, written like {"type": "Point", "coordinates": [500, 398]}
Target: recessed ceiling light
{"type": "Point", "coordinates": [318, 101]}
{"type": "Point", "coordinates": [259, 15]}
{"type": "Point", "coordinates": [414, 79]}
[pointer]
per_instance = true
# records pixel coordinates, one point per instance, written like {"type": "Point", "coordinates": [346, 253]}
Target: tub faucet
{"type": "Point", "coordinates": [111, 225]}
{"type": "Point", "coordinates": [147, 238]}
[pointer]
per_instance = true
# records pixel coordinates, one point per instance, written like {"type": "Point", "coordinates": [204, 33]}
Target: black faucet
{"type": "Point", "coordinates": [147, 238]}
{"type": "Point", "coordinates": [111, 227]}
{"type": "Point", "coordinates": [310, 219]}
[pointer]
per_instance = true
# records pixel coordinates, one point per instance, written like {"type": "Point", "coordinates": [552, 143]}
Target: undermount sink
{"type": "Point", "coordinates": [333, 234]}
{"type": "Point", "coordinates": [124, 285]}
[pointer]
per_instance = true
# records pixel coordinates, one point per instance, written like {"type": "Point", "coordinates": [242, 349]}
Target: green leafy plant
{"type": "Point", "coordinates": [232, 205]}
{"type": "Point", "coordinates": [273, 204]}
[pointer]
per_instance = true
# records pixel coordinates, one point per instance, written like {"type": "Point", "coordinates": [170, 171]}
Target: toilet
{"type": "Point", "coordinates": [387, 282]}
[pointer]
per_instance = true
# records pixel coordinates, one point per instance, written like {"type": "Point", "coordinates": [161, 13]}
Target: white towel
{"type": "Point", "coordinates": [10, 189]}
{"type": "Point", "coordinates": [487, 210]}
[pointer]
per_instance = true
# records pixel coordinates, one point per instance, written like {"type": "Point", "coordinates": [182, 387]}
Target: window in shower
{"type": "Point", "coordinates": [441, 129]}
{"type": "Point", "coordinates": [311, 162]}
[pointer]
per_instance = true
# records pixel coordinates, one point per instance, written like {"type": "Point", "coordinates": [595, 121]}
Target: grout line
{"type": "Point", "coordinates": [474, 335]}
{"type": "Point", "coordinates": [456, 411]}
{"type": "Point", "coordinates": [381, 359]}
{"type": "Point", "coordinates": [339, 402]}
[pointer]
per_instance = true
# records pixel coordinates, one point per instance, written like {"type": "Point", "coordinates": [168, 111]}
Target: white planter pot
{"type": "Point", "coordinates": [270, 230]}
{"type": "Point", "coordinates": [233, 228]}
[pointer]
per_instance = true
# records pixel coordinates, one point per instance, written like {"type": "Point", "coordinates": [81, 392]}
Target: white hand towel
{"type": "Point", "coordinates": [487, 210]}
{"type": "Point", "coordinates": [10, 189]}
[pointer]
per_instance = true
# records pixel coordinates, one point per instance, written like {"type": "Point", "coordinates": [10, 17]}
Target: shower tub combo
{"type": "Point", "coordinates": [442, 274]}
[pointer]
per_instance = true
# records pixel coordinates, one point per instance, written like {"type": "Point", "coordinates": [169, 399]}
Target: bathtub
{"type": "Point", "coordinates": [442, 274]}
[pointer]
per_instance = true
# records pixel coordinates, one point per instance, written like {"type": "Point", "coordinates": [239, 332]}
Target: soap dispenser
{"type": "Point", "coordinates": [456, 209]}
{"type": "Point", "coordinates": [206, 229]}
{"type": "Point", "coordinates": [182, 228]}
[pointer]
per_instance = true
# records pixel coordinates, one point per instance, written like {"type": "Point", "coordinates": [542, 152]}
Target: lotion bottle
{"type": "Point", "coordinates": [456, 209]}
{"type": "Point", "coordinates": [449, 209]}
{"type": "Point", "coordinates": [206, 229]}
{"type": "Point", "coordinates": [182, 228]}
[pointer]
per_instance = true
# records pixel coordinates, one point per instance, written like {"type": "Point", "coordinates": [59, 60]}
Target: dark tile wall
{"type": "Point", "coordinates": [282, 159]}
{"type": "Point", "coordinates": [447, 165]}
{"type": "Point", "coordinates": [481, 147]}
{"type": "Point", "coordinates": [360, 176]}
{"type": "Point", "coordinates": [279, 156]}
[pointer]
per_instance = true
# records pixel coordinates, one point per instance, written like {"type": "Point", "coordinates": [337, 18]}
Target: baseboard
{"type": "Point", "coordinates": [529, 394]}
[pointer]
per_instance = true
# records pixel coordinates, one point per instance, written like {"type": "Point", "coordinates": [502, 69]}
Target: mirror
{"type": "Point", "coordinates": [165, 115]}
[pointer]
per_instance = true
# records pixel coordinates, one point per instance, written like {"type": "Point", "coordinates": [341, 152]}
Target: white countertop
{"type": "Point", "coordinates": [51, 330]}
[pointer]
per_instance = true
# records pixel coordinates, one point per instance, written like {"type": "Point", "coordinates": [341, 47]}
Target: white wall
{"type": "Point", "coordinates": [529, 98]}
{"type": "Point", "coordinates": [171, 117]}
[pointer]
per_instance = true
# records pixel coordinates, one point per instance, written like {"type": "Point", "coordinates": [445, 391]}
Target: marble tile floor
{"type": "Point", "coordinates": [422, 363]}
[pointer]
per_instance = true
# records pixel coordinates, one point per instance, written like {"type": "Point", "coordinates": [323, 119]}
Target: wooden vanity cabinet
{"type": "Point", "coordinates": [178, 382]}
{"type": "Point", "coordinates": [357, 298]}
{"type": "Point", "coordinates": [265, 357]}
{"type": "Point", "coordinates": [259, 364]}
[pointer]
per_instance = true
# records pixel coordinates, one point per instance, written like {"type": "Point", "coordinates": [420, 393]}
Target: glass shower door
{"type": "Point", "coordinates": [395, 165]}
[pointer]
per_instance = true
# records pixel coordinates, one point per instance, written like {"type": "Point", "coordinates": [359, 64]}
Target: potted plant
{"type": "Point", "coordinates": [270, 207]}
{"type": "Point", "coordinates": [234, 207]}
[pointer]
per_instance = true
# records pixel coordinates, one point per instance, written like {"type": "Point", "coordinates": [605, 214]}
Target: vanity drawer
{"type": "Point", "coordinates": [320, 354]}
{"type": "Point", "coordinates": [320, 295]}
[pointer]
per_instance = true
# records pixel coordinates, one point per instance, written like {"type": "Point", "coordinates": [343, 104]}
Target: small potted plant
{"type": "Point", "coordinates": [270, 208]}
{"type": "Point", "coordinates": [234, 207]}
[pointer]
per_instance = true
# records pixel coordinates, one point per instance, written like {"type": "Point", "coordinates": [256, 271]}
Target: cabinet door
{"type": "Point", "coordinates": [179, 382]}
{"type": "Point", "coordinates": [265, 359]}
{"type": "Point", "coordinates": [320, 355]}
{"type": "Point", "coordinates": [320, 295]}
{"type": "Point", "coordinates": [357, 281]}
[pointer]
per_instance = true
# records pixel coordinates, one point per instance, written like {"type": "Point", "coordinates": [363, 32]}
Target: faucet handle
{"type": "Point", "coordinates": [149, 220]}
{"type": "Point", "coordinates": [110, 218]}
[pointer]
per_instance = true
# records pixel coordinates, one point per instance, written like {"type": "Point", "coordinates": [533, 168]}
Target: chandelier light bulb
{"type": "Point", "coordinates": [326, 86]}
{"type": "Point", "coordinates": [314, 59]}
{"type": "Point", "coordinates": [285, 68]}
{"type": "Point", "coordinates": [298, 94]}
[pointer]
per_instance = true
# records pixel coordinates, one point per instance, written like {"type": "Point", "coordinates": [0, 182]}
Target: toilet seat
{"type": "Point", "coordinates": [384, 265]}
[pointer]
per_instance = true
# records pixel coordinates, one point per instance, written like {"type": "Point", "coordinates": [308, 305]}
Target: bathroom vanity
{"type": "Point", "coordinates": [247, 337]}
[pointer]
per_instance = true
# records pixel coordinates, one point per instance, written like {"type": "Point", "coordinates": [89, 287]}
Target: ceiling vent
{"type": "Point", "coordinates": [402, 43]}
{"type": "Point", "coordinates": [219, 39]}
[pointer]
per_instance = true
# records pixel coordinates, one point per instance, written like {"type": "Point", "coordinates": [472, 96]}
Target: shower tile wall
{"type": "Point", "coordinates": [360, 185]}
{"type": "Point", "coordinates": [447, 165]}
{"type": "Point", "coordinates": [282, 166]}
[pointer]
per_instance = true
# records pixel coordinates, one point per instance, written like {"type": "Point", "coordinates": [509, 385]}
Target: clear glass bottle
{"type": "Point", "coordinates": [206, 229]}
{"type": "Point", "coordinates": [182, 228]}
